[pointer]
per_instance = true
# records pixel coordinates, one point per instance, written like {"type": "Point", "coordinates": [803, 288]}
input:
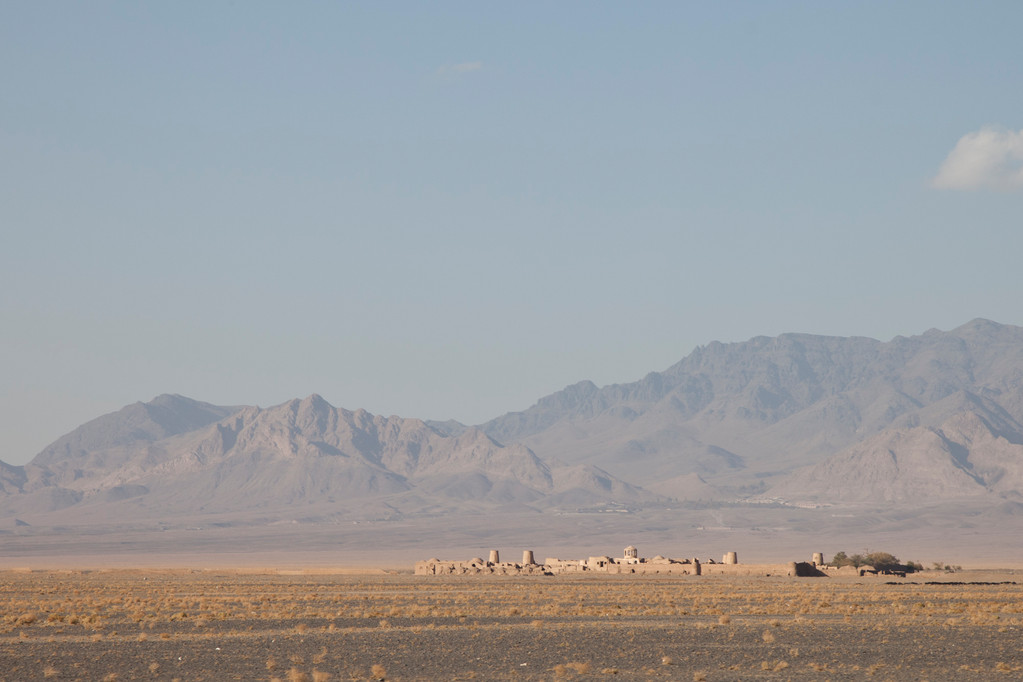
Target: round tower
{"type": "Point", "coordinates": [818, 559]}
{"type": "Point", "coordinates": [730, 558]}
{"type": "Point", "coordinates": [527, 558]}
{"type": "Point", "coordinates": [495, 558]}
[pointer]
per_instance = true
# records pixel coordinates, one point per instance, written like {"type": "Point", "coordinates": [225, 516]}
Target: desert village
{"type": "Point", "coordinates": [632, 563]}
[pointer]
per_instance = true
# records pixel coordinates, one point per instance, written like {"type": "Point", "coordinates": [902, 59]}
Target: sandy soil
{"type": "Point", "coordinates": [222, 625]}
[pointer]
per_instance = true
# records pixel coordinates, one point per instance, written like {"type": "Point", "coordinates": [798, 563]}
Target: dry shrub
{"type": "Point", "coordinates": [582, 668]}
{"type": "Point", "coordinates": [154, 667]}
{"type": "Point", "coordinates": [378, 672]}
{"type": "Point", "coordinates": [296, 675]}
{"type": "Point", "coordinates": [666, 660]}
{"type": "Point", "coordinates": [725, 619]}
{"type": "Point", "coordinates": [780, 665]}
{"type": "Point", "coordinates": [768, 636]}
{"type": "Point", "coordinates": [301, 628]}
{"type": "Point", "coordinates": [271, 663]}
{"type": "Point", "coordinates": [320, 676]}
{"type": "Point", "coordinates": [50, 671]}
{"type": "Point", "coordinates": [699, 676]}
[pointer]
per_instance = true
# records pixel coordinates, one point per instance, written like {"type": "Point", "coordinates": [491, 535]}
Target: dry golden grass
{"type": "Point", "coordinates": [771, 618]}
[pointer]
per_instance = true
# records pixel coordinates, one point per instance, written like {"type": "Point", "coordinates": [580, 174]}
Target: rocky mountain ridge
{"type": "Point", "coordinates": [793, 419]}
{"type": "Point", "coordinates": [177, 455]}
{"type": "Point", "coordinates": [746, 417]}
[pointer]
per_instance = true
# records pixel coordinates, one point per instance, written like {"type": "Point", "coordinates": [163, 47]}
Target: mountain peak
{"type": "Point", "coordinates": [980, 327]}
{"type": "Point", "coordinates": [315, 400]}
{"type": "Point", "coordinates": [170, 400]}
{"type": "Point", "coordinates": [164, 416]}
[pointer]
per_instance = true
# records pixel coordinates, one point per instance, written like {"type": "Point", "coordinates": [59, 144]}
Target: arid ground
{"type": "Point", "coordinates": [230, 625]}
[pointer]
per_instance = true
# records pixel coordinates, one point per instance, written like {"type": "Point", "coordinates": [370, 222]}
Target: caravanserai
{"type": "Point", "coordinates": [629, 563]}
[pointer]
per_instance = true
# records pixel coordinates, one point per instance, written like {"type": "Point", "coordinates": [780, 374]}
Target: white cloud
{"type": "Point", "coordinates": [463, 67]}
{"type": "Point", "coordinates": [988, 158]}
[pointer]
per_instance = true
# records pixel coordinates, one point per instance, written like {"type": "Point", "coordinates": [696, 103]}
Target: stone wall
{"type": "Point", "coordinates": [438, 567]}
{"type": "Point", "coordinates": [628, 565]}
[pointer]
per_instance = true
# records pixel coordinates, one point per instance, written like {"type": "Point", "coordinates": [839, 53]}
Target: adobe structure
{"type": "Point", "coordinates": [630, 563]}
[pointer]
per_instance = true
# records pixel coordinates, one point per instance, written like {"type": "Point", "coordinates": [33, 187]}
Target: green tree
{"type": "Point", "coordinates": [843, 559]}
{"type": "Point", "coordinates": [840, 559]}
{"type": "Point", "coordinates": [883, 561]}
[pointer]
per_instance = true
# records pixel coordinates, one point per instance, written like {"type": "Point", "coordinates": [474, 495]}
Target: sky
{"type": "Point", "coordinates": [449, 210]}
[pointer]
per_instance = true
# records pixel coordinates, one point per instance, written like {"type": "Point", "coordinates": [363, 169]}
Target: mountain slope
{"type": "Point", "coordinates": [963, 457]}
{"type": "Point", "coordinates": [742, 416]}
{"type": "Point", "coordinates": [168, 457]}
{"type": "Point", "coordinates": [116, 434]}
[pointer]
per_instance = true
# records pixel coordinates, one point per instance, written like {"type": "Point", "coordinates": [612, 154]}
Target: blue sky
{"type": "Point", "coordinates": [447, 210]}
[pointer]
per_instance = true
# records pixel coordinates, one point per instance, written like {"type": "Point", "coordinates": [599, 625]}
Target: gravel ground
{"type": "Point", "coordinates": [125, 626]}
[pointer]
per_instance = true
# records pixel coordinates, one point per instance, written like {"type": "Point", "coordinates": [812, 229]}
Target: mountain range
{"type": "Point", "coordinates": [804, 418]}
{"type": "Point", "coordinates": [796, 421]}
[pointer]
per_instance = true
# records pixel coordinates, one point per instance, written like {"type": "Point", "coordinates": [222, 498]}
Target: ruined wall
{"type": "Point", "coordinates": [801, 569]}
{"type": "Point", "coordinates": [627, 565]}
{"type": "Point", "coordinates": [436, 567]}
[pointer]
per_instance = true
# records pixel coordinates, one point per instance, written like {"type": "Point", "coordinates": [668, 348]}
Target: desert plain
{"type": "Point", "coordinates": [320, 624]}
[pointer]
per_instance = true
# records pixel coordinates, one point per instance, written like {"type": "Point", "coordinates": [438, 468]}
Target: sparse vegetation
{"type": "Point", "coordinates": [318, 628]}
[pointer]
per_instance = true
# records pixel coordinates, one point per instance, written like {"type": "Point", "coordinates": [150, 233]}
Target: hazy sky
{"type": "Point", "coordinates": [447, 210]}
